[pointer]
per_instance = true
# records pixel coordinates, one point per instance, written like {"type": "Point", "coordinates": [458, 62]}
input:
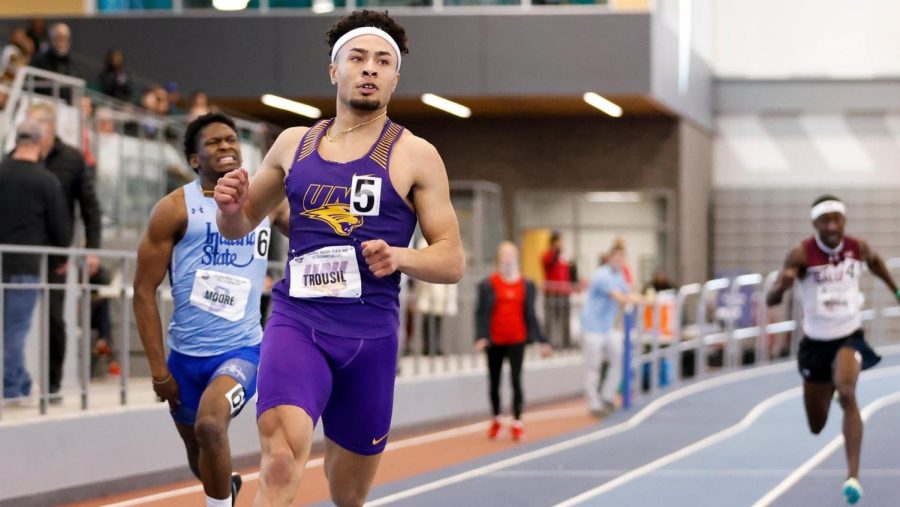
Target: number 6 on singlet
{"type": "Point", "coordinates": [261, 249]}
{"type": "Point", "coordinates": [365, 198]}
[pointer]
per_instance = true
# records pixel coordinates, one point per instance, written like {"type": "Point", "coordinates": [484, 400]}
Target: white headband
{"type": "Point", "coordinates": [365, 30]}
{"type": "Point", "coordinates": [828, 207]}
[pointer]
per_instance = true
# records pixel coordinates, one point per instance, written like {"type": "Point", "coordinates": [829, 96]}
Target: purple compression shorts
{"type": "Point", "coordinates": [349, 382]}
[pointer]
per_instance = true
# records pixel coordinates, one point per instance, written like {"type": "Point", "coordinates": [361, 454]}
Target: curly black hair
{"type": "Point", "coordinates": [358, 19]}
{"type": "Point", "coordinates": [199, 123]}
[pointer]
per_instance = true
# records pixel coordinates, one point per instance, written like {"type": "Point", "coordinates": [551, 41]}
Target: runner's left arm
{"type": "Point", "coordinates": [878, 267]}
{"type": "Point", "coordinates": [242, 206]}
{"type": "Point", "coordinates": [443, 260]}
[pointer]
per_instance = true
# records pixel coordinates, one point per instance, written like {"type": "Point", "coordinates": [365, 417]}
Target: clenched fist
{"type": "Point", "coordinates": [232, 190]}
{"type": "Point", "coordinates": [381, 257]}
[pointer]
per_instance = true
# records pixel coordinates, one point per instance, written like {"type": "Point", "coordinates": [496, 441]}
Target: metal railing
{"type": "Point", "coordinates": [138, 155]}
{"type": "Point", "coordinates": [681, 334]}
{"type": "Point", "coordinates": [722, 344]}
{"type": "Point", "coordinates": [79, 287]}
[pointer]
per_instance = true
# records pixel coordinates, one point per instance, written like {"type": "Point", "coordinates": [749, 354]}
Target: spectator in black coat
{"type": "Point", "coordinates": [113, 80]}
{"type": "Point", "coordinates": [32, 212]}
{"type": "Point", "coordinates": [68, 165]}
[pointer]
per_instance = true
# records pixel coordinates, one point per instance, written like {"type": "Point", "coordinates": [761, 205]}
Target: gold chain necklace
{"type": "Point", "coordinates": [351, 129]}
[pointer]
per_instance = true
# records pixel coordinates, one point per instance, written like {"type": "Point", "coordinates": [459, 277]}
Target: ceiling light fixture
{"type": "Point", "coordinates": [446, 105]}
{"type": "Point", "coordinates": [613, 197]}
{"type": "Point", "coordinates": [230, 5]}
{"type": "Point", "coordinates": [603, 104]}
{"type": "Point", "coordinates": [322, 6]}
{"type": "Point", "coordinates": [292, 106]}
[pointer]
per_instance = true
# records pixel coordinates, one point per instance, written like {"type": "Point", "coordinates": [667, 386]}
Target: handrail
{"type": "Point", "coordinates": [709, 333]}
{"type": "Point", "coordinates": [729, 336]}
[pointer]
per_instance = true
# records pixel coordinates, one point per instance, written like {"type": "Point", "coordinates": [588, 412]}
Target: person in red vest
{"type": "Point", "coordinates": [506, 321]}
{"type": "Point", "coordinates": [557, 287]}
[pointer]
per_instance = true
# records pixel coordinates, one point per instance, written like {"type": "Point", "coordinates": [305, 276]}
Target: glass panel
{"type": "Point", "coordinates": [547, 209]}
{"type": "Point", "coordinates": [643, 213]}
{"type": "Point", "coordinates": [493, 223]}
{"type": "Point", "coordinates": [133, 5]}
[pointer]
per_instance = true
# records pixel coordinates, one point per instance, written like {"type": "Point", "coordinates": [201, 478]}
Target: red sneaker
{"type": "Point", "coordinates": [518, 432]}
{"type": "Point", "coordinates": [494, 430]}
{"type": "Point", "coordinates": [114, 369]}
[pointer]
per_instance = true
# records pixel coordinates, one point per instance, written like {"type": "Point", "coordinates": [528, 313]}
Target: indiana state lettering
{"type": "Point", "coordinates": [330, 204]}
{"type": "Point", "coordinates": [326, 276]}
{"type": "Point", "coordinates": [217, 249]}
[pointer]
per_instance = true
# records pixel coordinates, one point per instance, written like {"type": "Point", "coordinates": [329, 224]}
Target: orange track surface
{"type": "Point", "coordinates": [396, 464]}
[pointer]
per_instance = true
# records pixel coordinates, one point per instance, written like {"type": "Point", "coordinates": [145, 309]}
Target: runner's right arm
{"type": "Point", "coordinates": [793, 267]}
{"type": "Point", "coordinates": [242, 208]}
{"type": "Point", "coordinates": [167, 224]}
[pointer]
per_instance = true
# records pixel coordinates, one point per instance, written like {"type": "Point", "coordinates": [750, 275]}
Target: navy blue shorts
{"type": "Point", "coordinates": [815, 358]}
{"type": "Point", "coordinates": [194, 373]}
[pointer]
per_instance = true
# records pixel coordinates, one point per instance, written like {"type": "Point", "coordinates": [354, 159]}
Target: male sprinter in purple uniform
{"type": "Point", "coordinates": [833, 350]}
{"type": "Point", "coordinates": [216, 284]}
{"type": "Point", "coordinates": [356, 185]}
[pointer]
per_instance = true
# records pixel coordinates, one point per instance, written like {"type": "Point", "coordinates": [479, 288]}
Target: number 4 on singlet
{"type": "Point", "coordinates": [365, 198]}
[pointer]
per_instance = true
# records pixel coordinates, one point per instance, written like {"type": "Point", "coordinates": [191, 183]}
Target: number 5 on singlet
{"type": "Point", "coordinates": [365, 196]}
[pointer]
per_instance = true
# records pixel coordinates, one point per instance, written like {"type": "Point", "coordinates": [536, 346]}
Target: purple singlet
{"type": "Point", "coordinates": [334, 208]}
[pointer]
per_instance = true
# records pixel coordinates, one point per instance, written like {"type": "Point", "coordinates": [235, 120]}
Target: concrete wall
{"type": "Point", "coordinates": [474, 55]}
{"type": "Point", "coordinates": [694, 187]}
{"type": "Point", "coordinates": [66, 458]}
{"type": "Point", "coordinates": [592, 153]}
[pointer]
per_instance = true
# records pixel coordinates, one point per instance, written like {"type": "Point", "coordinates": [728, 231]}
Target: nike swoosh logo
{"type": "Point", "coordinates": [376, 441]}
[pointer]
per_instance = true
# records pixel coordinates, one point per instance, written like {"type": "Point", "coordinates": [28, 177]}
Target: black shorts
{"type": "Point", "coordinates": [815, 358]}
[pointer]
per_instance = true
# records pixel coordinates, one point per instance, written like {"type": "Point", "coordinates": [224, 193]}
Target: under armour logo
{"type": "Point", "coordinates": [197, 210]}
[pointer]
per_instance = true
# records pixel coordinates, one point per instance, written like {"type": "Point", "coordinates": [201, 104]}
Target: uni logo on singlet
{"type": "Point", "coordinates": [330, 204]}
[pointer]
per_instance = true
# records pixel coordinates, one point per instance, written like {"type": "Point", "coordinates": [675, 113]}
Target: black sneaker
{"type": "Point", "coordinates": [236, 483]}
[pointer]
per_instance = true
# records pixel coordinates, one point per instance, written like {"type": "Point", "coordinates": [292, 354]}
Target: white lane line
{"type": "Point", "coordinates": [547, 414]}
{"type": "Point", "coordinates": [392, 446]}
{"type": "Point", "coordinates": [729, 432]}
{"type": "Point", "coordinates": [826, 451]}
{"type": "Point", "coordinates": [704, 473]}
{"type": "Point", "coordinates": [631, 423]}
{"type": "Point", "coordinates": [713, 439]}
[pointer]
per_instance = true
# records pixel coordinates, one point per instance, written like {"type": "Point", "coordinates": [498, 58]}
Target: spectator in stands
{"type": "Point", "coordinates": [37, 32]}
{"type": "Point", "coordinates": [104, 121]}
{"type": "Point", "coordinates": [607, 293]}
{"type": "Point", "coordinates": [32, 212]}
{"type": "Point", "coordinates": [557, 288]}
{"type": "Point", "coordinates": [15, 55]}
{"type": "Point", "coordinates": [163, 105]}
{"type": "Point", "coordinates": [173, 100]}
{"type": "Point", "coordinates": [150, 127]}
{"type": "Point", "coordinates": [199, 105]}
{"type": "Point", "coordinates": [506, 320]}
{"type": "Point", "coordinates": [67, 163]}
{"type": "Point", "coordinates": [57, 58]}
{"type": "Point", "coordinates": [113, 79]}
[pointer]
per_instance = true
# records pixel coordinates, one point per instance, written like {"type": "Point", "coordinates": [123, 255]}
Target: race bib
{"type": "Point", "coordinates": [365, 198]}
{"type": "Point", "coordinates": [330, 271]}
{"type": "Point", "coordinates": [261, 246]}
{"type": "Point", "coordinates": [221, 294]}
{"type": "Point", "coordinates": [838, 303]}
